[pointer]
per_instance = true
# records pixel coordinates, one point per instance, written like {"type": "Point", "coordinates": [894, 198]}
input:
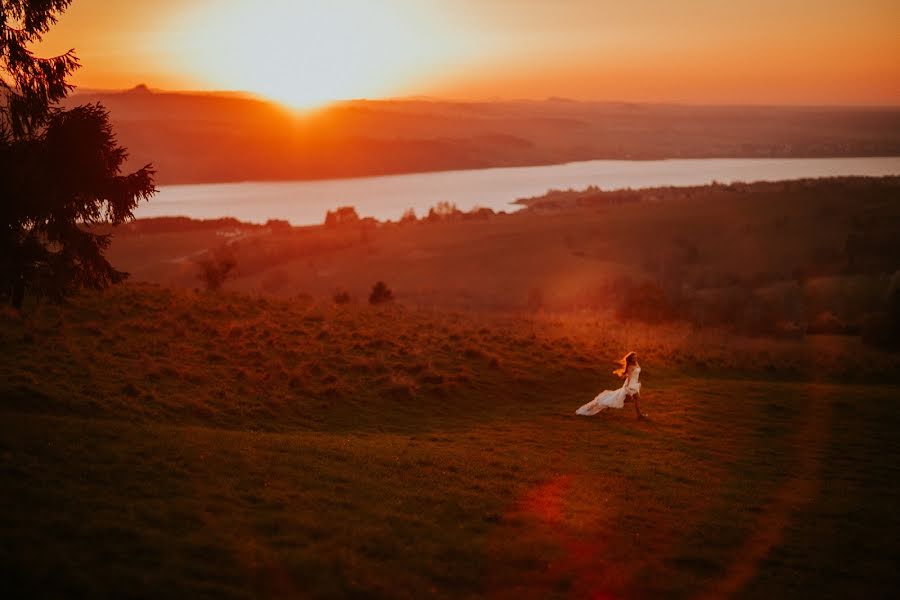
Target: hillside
{"type": "Point", "coordinates": [159, 442]}
{"type": "Point", "coordinates": [212, 137]}
{"type": "Point", "coordinates": [768, 258]}
{"type": "Point", "coordinates": [271, 440]}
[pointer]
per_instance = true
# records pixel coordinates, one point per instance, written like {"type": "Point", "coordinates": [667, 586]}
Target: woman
{"type": "Point", "coordinates": [630, 371]}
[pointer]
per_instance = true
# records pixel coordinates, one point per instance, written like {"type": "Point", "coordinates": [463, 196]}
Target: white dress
{"type": "Point", "coordinates": [614, 398]}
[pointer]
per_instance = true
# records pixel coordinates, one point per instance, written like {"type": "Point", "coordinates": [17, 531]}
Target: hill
{"type": "Point", "coordinates": [271, 440]}
{"type": "Point", "coordinates": [194, 138]}
{"type": "Point", "coordinates": [156, 442]}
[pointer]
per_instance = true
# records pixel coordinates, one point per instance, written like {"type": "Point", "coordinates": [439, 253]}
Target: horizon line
{"type": "Point", "coordinates": [143, 88]}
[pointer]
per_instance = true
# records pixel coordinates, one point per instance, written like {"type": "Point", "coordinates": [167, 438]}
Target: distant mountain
{"type": "Point", "coordinates": [215, 137]}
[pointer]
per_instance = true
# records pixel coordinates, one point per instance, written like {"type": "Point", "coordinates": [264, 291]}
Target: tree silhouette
{"type": "Point", "coordinates": [216, 267]}
{"type": "Point", "coordinates": [343, 215]}
{"type": "Point", "coordinates": [381, 293]}
{"type": "Point", "coordinates": [59, 169]}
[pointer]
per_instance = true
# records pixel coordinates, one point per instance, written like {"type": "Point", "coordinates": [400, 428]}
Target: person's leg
{"type": "Point", "coordinates": [637, 406]}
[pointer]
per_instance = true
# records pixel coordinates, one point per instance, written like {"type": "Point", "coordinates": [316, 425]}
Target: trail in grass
{"type": "Point", "coordinates": [799, 490]}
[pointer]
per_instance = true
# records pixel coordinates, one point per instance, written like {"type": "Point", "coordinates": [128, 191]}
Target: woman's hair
{"type": "Point", "coordinates": [626, 361]}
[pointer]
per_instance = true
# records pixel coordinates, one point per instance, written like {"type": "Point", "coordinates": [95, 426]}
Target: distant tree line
{"type": "Point", "coordinates": [345, 216]}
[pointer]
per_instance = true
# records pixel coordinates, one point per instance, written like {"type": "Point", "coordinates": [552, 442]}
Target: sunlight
{"type": "Point", "coordinates": [306, 53]}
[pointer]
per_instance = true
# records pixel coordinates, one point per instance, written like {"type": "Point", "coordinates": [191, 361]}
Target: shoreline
{"type": "Point", "coordinates": [386, 198]}
{"type": "Point", "coordinates": [541, 164]}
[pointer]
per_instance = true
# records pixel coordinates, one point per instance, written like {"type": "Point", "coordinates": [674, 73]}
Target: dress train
{"type": "Point", "coordinates": [613, 398]}
{"type": "Point", "coordinates": [605, 399]}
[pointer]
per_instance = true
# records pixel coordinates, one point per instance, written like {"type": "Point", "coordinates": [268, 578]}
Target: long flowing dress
{"type": "Point", "coordinates": [614, 398]}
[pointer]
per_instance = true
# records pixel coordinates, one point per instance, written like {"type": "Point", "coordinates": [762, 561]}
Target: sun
{"type": "Point", "coordinates": [304, 53]}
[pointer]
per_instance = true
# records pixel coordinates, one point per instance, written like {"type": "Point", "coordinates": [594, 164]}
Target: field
{"type": "Point", "coordinates": [162, 442]}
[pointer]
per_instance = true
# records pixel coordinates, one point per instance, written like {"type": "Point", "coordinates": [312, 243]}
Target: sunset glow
{"type": "Point", "coordinates": [449, 298]}
{"type": "Point", "coordinates": [306, 52]}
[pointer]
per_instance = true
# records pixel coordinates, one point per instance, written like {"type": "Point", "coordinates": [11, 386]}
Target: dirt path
{"type": "Point", "coordinates": [797, 492]}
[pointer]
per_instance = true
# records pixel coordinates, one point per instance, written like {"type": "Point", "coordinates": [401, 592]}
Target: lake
{"type": "Point", "coordinates": [387, 197]}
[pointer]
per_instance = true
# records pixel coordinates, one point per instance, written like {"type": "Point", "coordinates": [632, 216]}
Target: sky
{"type": "Point", "coordinates": [304, 53]}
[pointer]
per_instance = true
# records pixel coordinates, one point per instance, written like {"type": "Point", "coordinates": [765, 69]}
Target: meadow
{"type": "Point", "coordinates": [160, 441]}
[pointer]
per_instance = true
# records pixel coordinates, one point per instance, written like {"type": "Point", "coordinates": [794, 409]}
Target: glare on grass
{"type": "Point", "coordinates": [304, 53]}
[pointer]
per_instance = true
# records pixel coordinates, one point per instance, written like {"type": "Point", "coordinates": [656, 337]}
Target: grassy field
{"type": "Point", "coordinates": [157, 443]}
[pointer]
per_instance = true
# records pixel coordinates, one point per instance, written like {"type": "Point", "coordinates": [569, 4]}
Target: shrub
{"type": "Point", "coordinates": [380, 293]}
{"type": "Point", "coordinates": [216, 267]}
{"type": "Point", "coordinates": [341, 297]}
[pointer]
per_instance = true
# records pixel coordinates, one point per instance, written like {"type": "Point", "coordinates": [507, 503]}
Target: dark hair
{"type": "Point", "coordinates": [625, 362]}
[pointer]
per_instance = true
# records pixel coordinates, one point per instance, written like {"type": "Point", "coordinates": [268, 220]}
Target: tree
{"type": "Point", "coordinates": [409, 216]}
{"type": "Point", "coordinates": [59, 169]}
{"type": "Point", "coordinates": [216, 267]}
{"type": "Point", "coordinates": [381, 293]}
{"type": "Point", "coordinates": [344, 215]}
{"type": "Point", "coordinates": [443, 211]}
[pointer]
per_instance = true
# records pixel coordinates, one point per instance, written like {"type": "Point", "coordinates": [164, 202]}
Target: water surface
{"type": "Point", "coordinates": [387, 197]}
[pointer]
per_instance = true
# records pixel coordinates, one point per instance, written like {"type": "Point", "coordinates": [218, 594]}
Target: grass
{"type": "Point", "coordinates": [156, 442]}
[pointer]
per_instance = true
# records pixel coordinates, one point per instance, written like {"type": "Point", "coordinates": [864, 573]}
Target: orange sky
{"type": "Point", "coordinates": [305, 52]}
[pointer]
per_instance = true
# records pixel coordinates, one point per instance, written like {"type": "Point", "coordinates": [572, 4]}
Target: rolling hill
{"type": "Point", "coordinates": [206, 137]}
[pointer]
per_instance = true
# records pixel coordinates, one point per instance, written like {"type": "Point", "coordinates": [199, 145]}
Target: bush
{"type": "Point", "coordinates": [216, 267]}
{"type": "Point", "coordinates": [380, 293]}
{"type": "Point", "coordinates": [341, 297]}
